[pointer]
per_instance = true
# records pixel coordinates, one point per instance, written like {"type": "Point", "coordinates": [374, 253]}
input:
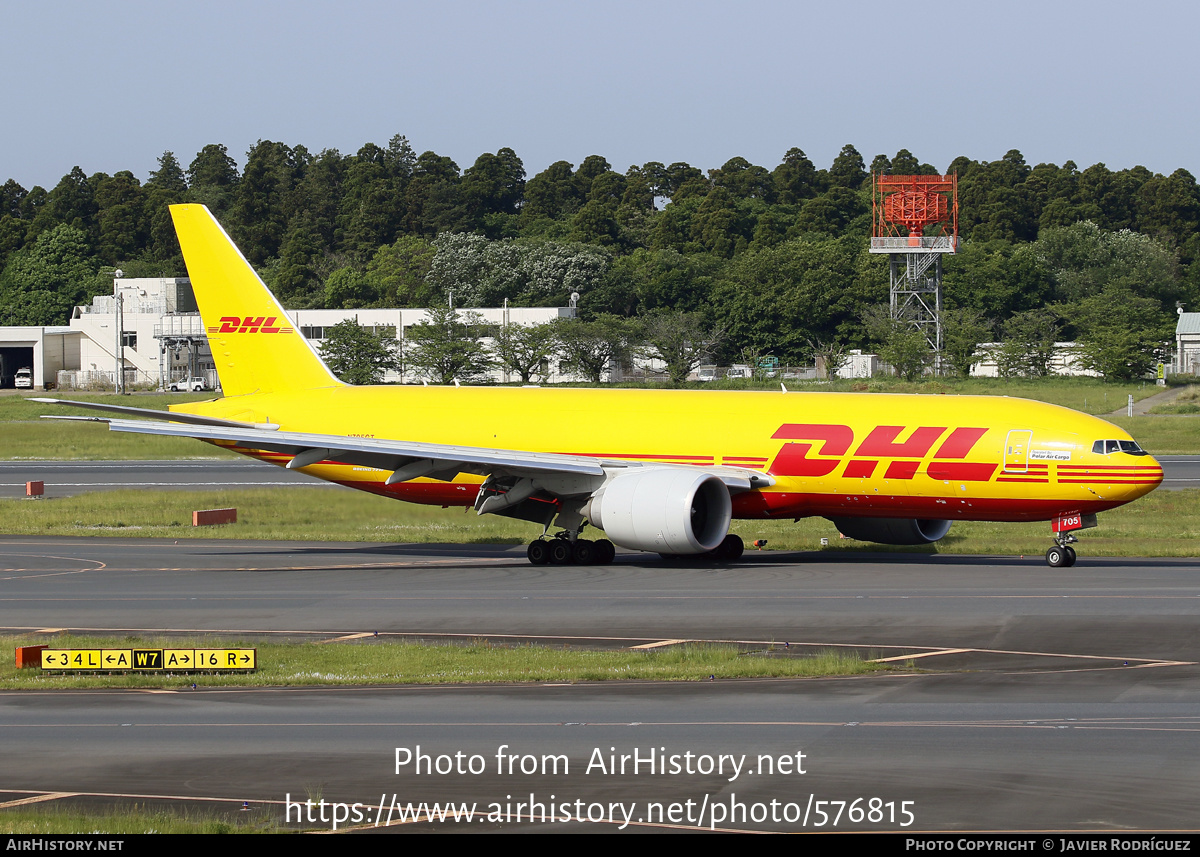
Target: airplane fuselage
{"type": "Point", "coordinates": [831, 454]}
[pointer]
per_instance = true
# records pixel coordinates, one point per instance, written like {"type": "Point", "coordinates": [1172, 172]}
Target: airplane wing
{"type": "Point", "coordinates": [410, 459]}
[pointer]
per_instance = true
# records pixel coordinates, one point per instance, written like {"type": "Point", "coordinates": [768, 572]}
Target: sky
{"type": "Point", "coordinates": [111, 86]}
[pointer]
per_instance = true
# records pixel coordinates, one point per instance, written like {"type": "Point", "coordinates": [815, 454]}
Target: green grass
{"type": "Point", "coordinates": [20, 407]}
{"type": "Point", "coordinates": [26, 436]}
{"type": "Point", "coordinates": [1164, 523]}
{"type": "Point", "coordinates": [318, 513]}
{"type": "Point", "coordinates": [47, 440]}
{"type": "Point", "coordinates": [373, 661]}
{"type": "Point", "coordinates": [1187, 402]}
{"type": "Point", "coordinates": [127, 820]}
{"type": "Point", "coordinates": [1163, 435]}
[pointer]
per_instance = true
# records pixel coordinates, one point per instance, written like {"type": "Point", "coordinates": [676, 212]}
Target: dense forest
{"type": "Point", "coordinates": [776, 259]}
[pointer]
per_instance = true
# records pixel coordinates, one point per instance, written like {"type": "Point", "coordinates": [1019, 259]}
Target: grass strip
{"type": "Point", "coordinates": [27, 436]}
{"type": "Point", "coordinates": [1164, 523]}
{"type": "Point", "coordinates": [1187, 402]}
{"type": "Point", "coordinates": [128, 820]}
{"type": "Point", "coordinates": [380, 660]}
{"type": "Point", "coordinates": [1177, 434]}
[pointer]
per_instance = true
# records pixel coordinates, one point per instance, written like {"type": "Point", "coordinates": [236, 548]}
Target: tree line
{"type": "Point", "coordinates": [776, 259]}
{"type": "Point", "coordinates": [450, 346]}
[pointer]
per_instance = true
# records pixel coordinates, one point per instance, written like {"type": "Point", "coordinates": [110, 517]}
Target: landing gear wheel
{"type": "Point", "coordinates": [538, 552]}
{"type": "Point", "coordinates": [1056, 557]}
{"type": "Point", "coordinates": [584, 552]}
{"type": "Point", "coordinates": [730, 548]}
{"type": "Point", "coordinates": [605, 552]}
{"type": "Point", "coordinates": [1070, 556]}
{"type": "Point", "coordinates": [560, 552]}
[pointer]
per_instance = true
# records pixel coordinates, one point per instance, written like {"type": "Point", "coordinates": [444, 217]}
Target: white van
{"type": "Point", "coordinates": [189, 385]}
{"type": "Point", "coordinates": [24, 379]}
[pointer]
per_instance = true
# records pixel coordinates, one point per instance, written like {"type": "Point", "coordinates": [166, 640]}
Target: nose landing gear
{"type": "Point", "coordinates": [1061, 556]}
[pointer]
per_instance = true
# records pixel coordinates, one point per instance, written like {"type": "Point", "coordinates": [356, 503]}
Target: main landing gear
{"type": "Point", "coordinates": [560, 550]}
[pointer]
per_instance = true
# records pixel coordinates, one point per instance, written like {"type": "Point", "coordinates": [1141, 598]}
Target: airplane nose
{"type": "Point", "coordinates": [1142, 478]}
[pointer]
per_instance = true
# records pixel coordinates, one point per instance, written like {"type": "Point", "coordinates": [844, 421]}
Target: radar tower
{"type": "Point", "coordinates": [927, 208]}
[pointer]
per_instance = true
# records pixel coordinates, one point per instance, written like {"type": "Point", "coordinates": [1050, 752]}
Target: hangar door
{"type": "Point", "coordinates": [12, 358]}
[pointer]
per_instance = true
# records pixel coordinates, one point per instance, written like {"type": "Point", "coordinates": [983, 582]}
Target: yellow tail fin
{"type": "Point", "coordinates": [255, 346]}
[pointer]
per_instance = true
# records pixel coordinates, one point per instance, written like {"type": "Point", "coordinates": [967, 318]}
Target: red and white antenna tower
{"type": "Point", "coordinates": [926, 208]}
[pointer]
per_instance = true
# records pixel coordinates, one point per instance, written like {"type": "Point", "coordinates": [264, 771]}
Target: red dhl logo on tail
{"type": "Point", "coordinates": [249, 324]}
{"type": "Point", "coordinates": [835, 442]}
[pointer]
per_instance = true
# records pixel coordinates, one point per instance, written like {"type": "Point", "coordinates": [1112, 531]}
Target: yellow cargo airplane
{"type": "Point", "coordinates": [656, 470]}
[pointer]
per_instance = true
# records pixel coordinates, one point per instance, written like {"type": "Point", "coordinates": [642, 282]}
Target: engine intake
{"type": "Point", "coordinates": [664, 509]}
{"type": "Point", "coordinates": [892, 531]}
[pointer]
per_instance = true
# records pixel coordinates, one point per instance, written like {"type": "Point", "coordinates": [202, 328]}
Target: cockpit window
{"type": "Point", "coordinates": [1106, 447]}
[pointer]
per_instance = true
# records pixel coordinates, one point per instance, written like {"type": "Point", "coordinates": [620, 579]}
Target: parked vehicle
{"type": "Point", "coordinates": [189, 385]}
{"type": "Point", "coordinates": [23, 379]}
{"type": "Point", "coordinates": [739, 371]}
{"type": "Point", "coordinates": [706, 374]}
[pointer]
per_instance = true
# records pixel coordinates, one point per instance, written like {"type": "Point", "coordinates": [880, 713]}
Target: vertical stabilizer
{"type": "Point", "coordinates": [254, 344]}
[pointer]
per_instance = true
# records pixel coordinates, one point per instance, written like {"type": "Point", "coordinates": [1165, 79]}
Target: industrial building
{"type": "Point", "coordinates": [150, 328]}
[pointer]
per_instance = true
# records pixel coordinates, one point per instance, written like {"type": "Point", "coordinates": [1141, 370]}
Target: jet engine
{"type": "Point", "coordinates": [672, 510]}
{"type": "Point", "coordinates": [892, 531]}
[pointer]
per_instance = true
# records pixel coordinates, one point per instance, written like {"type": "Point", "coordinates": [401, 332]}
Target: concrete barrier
{"type": "Point", "coordinates": [208, 517]}
{"type": "Point", "coordinates": [29, 656]}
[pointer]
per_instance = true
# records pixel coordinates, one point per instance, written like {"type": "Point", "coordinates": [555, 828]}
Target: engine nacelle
{"type": "Point", "coordinates": [664, 509]}
{"type": "Point", "coordinates": [892, 531]}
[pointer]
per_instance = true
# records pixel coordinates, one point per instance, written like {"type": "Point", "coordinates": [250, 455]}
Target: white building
{"type": "Point", "coordinates": [313, 323]}
{"type": "Point", "coordinates": [45, 350]}
{"type": "Point", "coordinates": [1064, 361]}
{"type": "Point", "coordinates": [163, 338]}
{"type": "Point", "coordinates": [1187, 343]}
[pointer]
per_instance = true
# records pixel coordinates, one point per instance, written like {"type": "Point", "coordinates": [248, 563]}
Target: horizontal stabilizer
{"type": "Point", "coordinates": [151, 413]}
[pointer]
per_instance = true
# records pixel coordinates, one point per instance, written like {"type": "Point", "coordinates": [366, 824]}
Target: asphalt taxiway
{"type": "Point", "coordinates": [1049, 699]}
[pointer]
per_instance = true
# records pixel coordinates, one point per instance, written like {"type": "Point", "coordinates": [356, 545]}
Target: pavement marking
{"type": "Point", "coordinates": [357, 636]}
{"type": "Point", "coordinates": [59, 795]}
{"type": "Point", "coordinates": [31, 573]}
{"type": "Point", "coordinates": [662, 643]}
{"type": "Point", "coordinates": [36, 798]}
{"type": "Point", "coordinates": [364, 566]}
{"type": "Point", "coordinates": [919, 655]}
